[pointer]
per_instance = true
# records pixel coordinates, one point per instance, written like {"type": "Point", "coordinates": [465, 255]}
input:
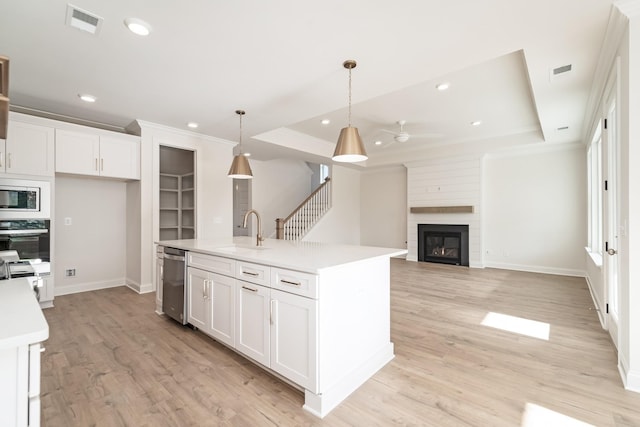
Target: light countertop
{"type": "Point", "coordinates": [310, 257]}
{"type": "Point", "coordinates": [21, 318]}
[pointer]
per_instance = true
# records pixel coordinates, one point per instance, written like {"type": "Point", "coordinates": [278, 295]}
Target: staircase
{"type": "Point", "coordinates": [300, 221]}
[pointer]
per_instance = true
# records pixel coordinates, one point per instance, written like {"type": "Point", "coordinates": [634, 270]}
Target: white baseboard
{"type": "Point", "coordinates": [85, 287]}
{"type": "Point", "coordinates": [137, 287]}
{"type": "Point", "coordinates": [321, 404]}
{"type": "Point", "coordinates": [630, 379]}
{"type": "Point", "coordinates": [537, 269]}
{"type": "Point", "coordinates": [595, 303]}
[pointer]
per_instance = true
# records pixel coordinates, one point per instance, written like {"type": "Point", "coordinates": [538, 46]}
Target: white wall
{"type": "Point", "coordinates": [629, 237]}
{"type": "Point", "coordinates": [277, 188]}
{"type": "Point", "coordinates": [342, 223]}
{"type": "Point", "coordinates": [535, 210]}
{"type": "Point", "coordinates": [383, 207]}
{"type": "Point", "coordinates": [95, 242]}
{"type": "Point", "coordinates": [449, 181]}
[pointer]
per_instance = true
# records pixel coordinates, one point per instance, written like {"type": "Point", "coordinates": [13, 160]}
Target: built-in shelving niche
{"type": "Point", "coordinates": [177, 194]}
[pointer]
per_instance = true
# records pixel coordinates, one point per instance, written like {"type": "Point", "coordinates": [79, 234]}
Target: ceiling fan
{"type": "Point", "coordinates": [404, 136]}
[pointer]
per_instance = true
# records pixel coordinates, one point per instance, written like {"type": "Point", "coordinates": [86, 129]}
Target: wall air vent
{"type": "Point", "coordinates": [83, 20]}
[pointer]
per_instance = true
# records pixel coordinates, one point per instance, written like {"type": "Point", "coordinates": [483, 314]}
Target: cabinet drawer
{"type": "Point", "coordinates": [254, 273]}
{"type": "Point", "coordinates": [295, 282]}
{"type": "Point", "coordinates": [214, 264]}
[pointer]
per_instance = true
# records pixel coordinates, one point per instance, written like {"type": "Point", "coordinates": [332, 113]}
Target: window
{"type": "Point", "coordinates": [594, 158]}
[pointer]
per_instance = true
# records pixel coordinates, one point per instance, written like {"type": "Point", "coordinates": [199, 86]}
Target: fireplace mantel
{"type": "Point", "coordinates": [440, 209]}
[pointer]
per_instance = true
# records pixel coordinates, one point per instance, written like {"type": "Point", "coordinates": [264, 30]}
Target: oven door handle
{"type": "Point", "coordinates": [23, 232]}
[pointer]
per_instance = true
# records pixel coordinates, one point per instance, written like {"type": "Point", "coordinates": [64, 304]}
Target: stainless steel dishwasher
{"type": "Point", "coordinates": [173, 284]}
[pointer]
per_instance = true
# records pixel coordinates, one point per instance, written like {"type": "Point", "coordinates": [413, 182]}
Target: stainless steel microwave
{"type": "Point", "coordinates": [24, 199]}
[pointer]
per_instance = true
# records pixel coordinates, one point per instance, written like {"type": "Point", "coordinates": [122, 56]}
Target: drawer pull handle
{"type": "Point", "coordinates": [250, 273]}
{"type": "Point", "coordinates": [291, 283]}
{"type": "Point", "coordinates": [249, 289]}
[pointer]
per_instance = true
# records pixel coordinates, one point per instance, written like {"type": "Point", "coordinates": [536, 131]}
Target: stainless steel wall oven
{"type": "Point", "coordinates": [30, 238]}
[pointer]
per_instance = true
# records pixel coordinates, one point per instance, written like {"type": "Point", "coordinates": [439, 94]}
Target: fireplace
{"type": "Point", "coordinates": [443, 243]}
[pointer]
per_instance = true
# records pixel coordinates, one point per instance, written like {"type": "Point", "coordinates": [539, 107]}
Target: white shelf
{"type": "Point", "coordinates": [177, 206]}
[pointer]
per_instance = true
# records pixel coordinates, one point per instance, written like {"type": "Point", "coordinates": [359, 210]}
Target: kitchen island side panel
{"type": "Point", "coordinates": [354, 318]}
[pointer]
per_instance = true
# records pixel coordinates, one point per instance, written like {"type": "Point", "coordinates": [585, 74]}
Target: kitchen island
{"type": "Point", "coordinates": [316, 315]}
{"type": "Point", "coordinates": [22, 329]}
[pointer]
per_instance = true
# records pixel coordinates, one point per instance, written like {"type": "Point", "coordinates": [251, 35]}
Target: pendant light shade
{"type": "Point", "coordinates": [240, 168]}
{"type": "Point", "coordinates": [349, 148]}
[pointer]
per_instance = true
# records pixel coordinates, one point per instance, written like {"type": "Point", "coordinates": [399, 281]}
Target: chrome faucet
{"type": "Point", "coordinates": [259, 238]}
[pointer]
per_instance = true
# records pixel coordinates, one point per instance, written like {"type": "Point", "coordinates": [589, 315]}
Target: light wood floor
{"type": "Point", "coordinates": [111, 361]}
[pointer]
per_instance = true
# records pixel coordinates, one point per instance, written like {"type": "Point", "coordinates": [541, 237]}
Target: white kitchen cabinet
{"type": "Point", "coordinates": [222, 303]}
{"type": "Point", "coordinates": [211, 304]}
{"type": "Point", "coordinates": [87, 153]}
{"type": "Point", "coordinates": [28, 150]}
{"type": "Point", "coordinates": [197, 290]}
{"type": "Point", "coordinates": [253, 321]}
{"type": "Point", "coordinates": [294, 326]}
{"type": "Point", "coordinates": [23, 329]}
{"type": "Point", "coordinates": [120, 157]}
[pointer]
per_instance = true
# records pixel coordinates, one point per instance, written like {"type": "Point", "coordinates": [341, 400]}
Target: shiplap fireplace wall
{"type": "Point", "coordinates": [446, 182]}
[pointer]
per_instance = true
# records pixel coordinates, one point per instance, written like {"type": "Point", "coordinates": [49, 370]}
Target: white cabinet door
{"type": "Point", "coordinates": [119, 157]}
{"type": "Point", "coordinates": [252, 321]}
{"type": "Point", "coordinates": [197, 303]}
{"type": "Point", "coordinates": [77, 152]}
{"type": "Point", "coordinates": [87, 153]}
{"type": "Point", "coordinates": [28, 150]}
{"type": "Point", "coordinates": [222, 299]}
{"type": "Point", "coordinates": [294, 338]}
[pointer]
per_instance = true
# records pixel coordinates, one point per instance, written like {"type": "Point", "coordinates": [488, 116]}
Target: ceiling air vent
{"type": "Point", "coordinates": [555, 73]}
{"type": "Point", "coordinates": [563, 69]}
{"type": "Point", "coordinates": [83, 20]}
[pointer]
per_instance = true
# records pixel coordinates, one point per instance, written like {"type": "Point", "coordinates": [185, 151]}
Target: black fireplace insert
{"type": "Point", "coordinates": [443, 243]}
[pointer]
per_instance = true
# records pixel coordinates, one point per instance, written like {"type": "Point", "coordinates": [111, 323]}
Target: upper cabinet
{"type": "Point", "coordinates": [113, 156]}
{"type": "Point", "coordinates": [28, 150]}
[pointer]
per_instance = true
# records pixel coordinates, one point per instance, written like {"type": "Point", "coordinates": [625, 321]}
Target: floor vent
{"type": "Point", "coordinates": [83, 20]}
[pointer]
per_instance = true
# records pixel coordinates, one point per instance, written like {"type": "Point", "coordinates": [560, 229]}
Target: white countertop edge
{"type": "Point", "coordinates": [308, 257]}
{"type": "Point", "coordinates": [21, 319]}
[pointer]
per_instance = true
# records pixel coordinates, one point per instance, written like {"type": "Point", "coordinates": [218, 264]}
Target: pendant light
{"type": "Point", "coordinates": [349, 147]}
{"type": "Point", "coordinates": [240, 168]}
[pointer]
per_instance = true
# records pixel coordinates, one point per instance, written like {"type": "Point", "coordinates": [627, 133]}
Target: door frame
{"type": "Point", "coordinates": [611, 202]}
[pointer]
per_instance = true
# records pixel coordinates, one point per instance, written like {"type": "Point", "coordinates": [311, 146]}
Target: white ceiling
{"type": "Point", "coordinates": [281, 61]}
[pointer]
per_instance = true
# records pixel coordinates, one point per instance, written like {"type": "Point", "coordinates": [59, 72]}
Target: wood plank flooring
{"type": "Point", "coordinates": [111, 361]}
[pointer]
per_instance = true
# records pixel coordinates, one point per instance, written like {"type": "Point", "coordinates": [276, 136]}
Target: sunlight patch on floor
{"type": "Point", "coordinates": [519, 325]}
{"type": "Point", "coordinates": [539, 416]}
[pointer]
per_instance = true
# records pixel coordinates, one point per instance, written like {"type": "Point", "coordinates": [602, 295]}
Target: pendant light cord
{"type": "Point", "coordinates": [240, 144]}
{"type": "Point", "coordinates": [350, 96]}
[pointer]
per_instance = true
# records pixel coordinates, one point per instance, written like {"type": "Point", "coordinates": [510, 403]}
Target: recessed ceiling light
{"type": "Point", "coordinates": [246, 154]}
{"type": "Point", "coordinates": [476, 123]}
{"type": "Point", "coordinates": [137, 26]}
{"type": "Point", "coordinates": [192, 125]}
{"type": "Point", "coordinates": [325, 121]}
{"type": "Point", "coordinates": [87, 98]}
{"type": "Point", "coordinates": [378, 142]}
{"type": "Point", "coordinates": [443, 86]}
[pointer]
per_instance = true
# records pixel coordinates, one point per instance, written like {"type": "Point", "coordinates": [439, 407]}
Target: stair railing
{"type": "Point", "coordinates": [300, 221]}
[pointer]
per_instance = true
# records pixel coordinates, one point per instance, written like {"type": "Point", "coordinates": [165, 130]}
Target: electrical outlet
{"type": "Point", "coordinates": [70, 272]}
{"type": "Point", "coordinates": [68, 221]}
